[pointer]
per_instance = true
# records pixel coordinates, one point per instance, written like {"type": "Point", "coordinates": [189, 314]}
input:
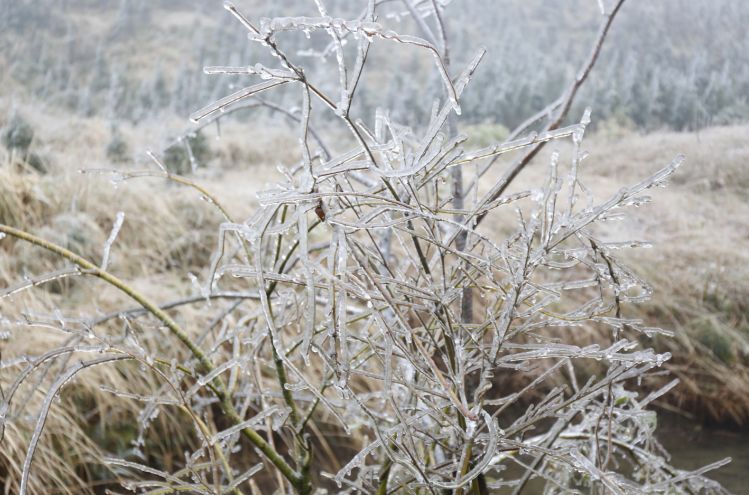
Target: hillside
{"type": "Point", "coordinates": [131, 59]}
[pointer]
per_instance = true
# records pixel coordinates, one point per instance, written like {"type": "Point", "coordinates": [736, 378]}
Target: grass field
{"type": "Point", "coordinates": [697, 266]}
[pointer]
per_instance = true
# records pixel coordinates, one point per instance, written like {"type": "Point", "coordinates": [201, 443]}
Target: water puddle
{"type": "Point", "coordinates": [692, 446]}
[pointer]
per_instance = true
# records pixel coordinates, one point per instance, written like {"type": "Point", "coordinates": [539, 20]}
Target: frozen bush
{"type": "Point", "coordinates": [18, 135]}
{"type": "Point", "coordinates": [187, 154]}
{"type": "Point", "coordinates": [118, 150]}
{"type": "Point", "coordinates": [366, 297]}
{"type": "Point", "coordinates": [17, 138]}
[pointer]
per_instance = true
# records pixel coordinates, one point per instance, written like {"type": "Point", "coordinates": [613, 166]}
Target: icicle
{"type": "Point", "coordinates": [223, 103]}
{"type": "Point", "coordinates": [158, 162]}
{"type": "Point", "coordinates": [342, 324]}
{"type": "Point", "coordinates": [308, 325]}
{"type": "Point", "coordinates": [257, 419]}
{"type": "Point", "coordinates": [119, 219]}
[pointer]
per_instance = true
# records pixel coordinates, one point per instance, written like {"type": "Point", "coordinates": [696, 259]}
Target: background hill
{"type": "Point", "coordinates": [678, 64]}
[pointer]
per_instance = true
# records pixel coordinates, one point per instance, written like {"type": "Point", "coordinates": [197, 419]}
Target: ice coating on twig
{"type": "Point", "coordinates": [118, 221]}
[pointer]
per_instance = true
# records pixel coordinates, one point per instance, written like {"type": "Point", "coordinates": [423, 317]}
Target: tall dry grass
{"type": "Point", "coordinates": [699, 266]}
{"type": "Point", "coordinates": [166, 226]}
{"type": "Point", "coordinates": [698, 224]}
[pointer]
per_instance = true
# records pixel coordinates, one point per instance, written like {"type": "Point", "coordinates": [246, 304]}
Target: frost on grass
{"type": "Point", "coordinates": [381, 304]}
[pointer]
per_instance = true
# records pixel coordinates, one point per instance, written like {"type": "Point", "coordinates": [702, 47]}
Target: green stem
{"type": "Point", "coordinates": [384, 475]}
{"type": "Point", "coordinates": [94, 270]}
{"type": "Point", "coordinates": [219, 388]}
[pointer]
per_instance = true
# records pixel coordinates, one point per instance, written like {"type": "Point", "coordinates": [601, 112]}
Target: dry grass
{"type": "Point", "coordinates": [168, 232]}
{"type": "Point", "coordinates": [698, 268]}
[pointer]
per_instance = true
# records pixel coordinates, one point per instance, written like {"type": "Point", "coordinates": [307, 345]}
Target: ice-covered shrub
{"type": "Point", "coordinates": [17, 138]}
{"type": "Point", "coordinates": [485, 134]}
{"type": "Point", "coordinates": [118, 150]}
{"type": "Point", "coordinates": [18, 135]}
{"type": "Point", "coordinates": [187, 154]}
{"type": "Point", "coordinates": [367, 297]}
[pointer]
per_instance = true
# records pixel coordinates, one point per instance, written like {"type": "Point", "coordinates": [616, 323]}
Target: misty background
{"type": "Point", "coordinates": [671, 64]}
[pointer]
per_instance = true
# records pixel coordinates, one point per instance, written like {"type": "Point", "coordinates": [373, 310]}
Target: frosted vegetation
{"type": "Point", "coordinates": [661, 68]}
{"type": "Point", "coordinates": [366, 296]}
